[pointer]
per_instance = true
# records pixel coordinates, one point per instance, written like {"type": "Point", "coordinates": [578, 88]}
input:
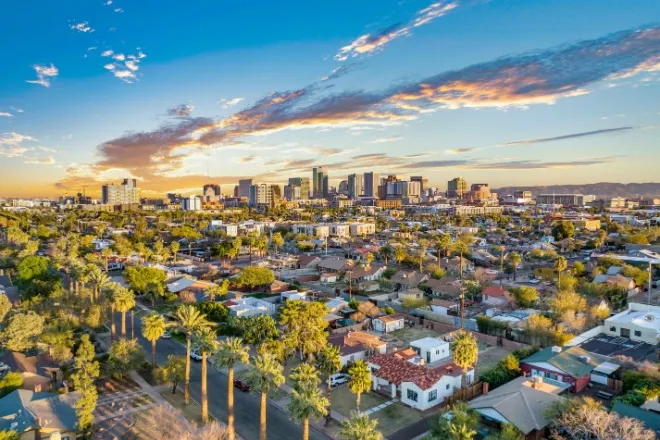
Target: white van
{"type": "Point", "coordinates": [338, 379]}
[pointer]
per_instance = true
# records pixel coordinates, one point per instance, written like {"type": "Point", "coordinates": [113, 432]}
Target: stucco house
{"type": "Point", "coordinates": [432, 350]}
{"type": "Point", "coordinates": [495, 296]}
{"type": "Point", "coordinates": [388, 323]}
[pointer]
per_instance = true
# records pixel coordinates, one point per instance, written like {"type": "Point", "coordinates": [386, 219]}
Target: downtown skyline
{"type": "Point", "coordinates": [497, 92]}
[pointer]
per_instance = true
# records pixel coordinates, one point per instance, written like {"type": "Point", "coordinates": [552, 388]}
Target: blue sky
{"type": "Point", "coordinates": [510, 93]}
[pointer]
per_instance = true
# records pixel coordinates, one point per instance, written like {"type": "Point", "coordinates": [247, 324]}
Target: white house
{"type": "Point", "coordinates": [431, 350]}
{"type": "Point", "coordinates": [292, 295]}
{"type": "Point", "coordinates": [340, 230]}
{"type": "Point", "coordinates": [329, 277]}
{"type": "Point", "coordinates": [229, 230]}
{"type": "Point", "coordinates": [641, 322]}
{"type": "Point", "coordinates": [415, 385]}
{"type": "Point", "coordinates": [388, 323]}
{"type": "Point", "coordinates": [249, 307]}
{"type": "Point", "coordinates": [100, 244]}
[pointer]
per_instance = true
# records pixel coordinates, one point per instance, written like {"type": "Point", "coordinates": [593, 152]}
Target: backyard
{"type": "Point", "coordinates": [489, 356]}
{"type": "Point", "coordinates": [408, 334]}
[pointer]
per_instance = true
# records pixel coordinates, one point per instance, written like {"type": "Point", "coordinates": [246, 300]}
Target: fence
{"type": "Point", "coordinates": [349, 328]}
{"type": "Point", "coordinates": [467, 393]}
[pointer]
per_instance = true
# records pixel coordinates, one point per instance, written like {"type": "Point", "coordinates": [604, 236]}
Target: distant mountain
{"type": "Point", "coordinates": [602, 189]}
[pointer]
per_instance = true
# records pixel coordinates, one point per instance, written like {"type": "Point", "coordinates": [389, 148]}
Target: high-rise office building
{"type": "Point", "coordinates": [211, 192]}
{"type": "Point", "coordinates": [302, 183]}
{"type": "Point", "coordinates": [261, 195]}
{"type": "Point", "coordinates": [456, 188]}
{"type": "Point", "coordinates": [382, 188]}
{"type": "Point", "coordinates": [244, 187]}
{"type": "Point", "coordinates": [320, 182]}
{"type": "Point", "coordinates": [355, 186]}
{"type": "Point", "coordinates": [423, 182]}
{"type": "Point", "coordinates": [124, 194]}
{"type": "Point", "coordinates": [371, 182]}
{"type": "Point", "coordinates": [192, 203]}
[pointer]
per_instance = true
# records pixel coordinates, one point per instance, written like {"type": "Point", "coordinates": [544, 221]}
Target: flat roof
{"type": "Point", "coordinates": [612, 346]}
{"type": "Point", "coordinates": [607, 368]}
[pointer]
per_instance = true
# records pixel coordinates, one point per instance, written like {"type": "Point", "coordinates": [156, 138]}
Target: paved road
{"type": "Point", "coordinates": [246, 405]}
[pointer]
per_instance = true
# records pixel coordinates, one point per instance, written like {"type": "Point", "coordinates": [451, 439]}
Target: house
{"type": "Point", "coordinates": [416, 385]}
{"type": "Point", "coordinates": [366, 273]}
{"type": "Point", "coordinates": [39, 415]}
{"type": "Point", "coordinates": [313, 230]}
{"type": "Point", "coordinates": [278, 286]}
{"type": "Point", "coordinates": [570, 365]}
{"type": "Point", "coordinates": [249, 306]}
{"type": "Point", "coordinates": [410, 294]}
{"type": "Point", "coordinates": [329, 277]}
{"type": "Point", "coordinates": [443, 306]}
{"type": "Point", "coordinates": [38, 372]}
{"type": "Point", "coordinates": [368, 286]}
{"type": "Point", "coordinates": [432, 350]}
{"type": "Point", "coordinates": [522, 403]}
{"type": "Point", "coordinates": [292, 295]}
{"type": "Point", "coordinates": [308, 262]}
{"type": "Point", "coordinates": [100, 244]}
{"type": "Point", "coordinates": [406, 279]}
{"type": "Point", "coordinates": [340, 230]}
{"type": "Point", "coordinates": [446, 286]}
{"type": "Point", "coordinates": [495, 296]}
{"type": "Point", "coordinates": [640, 323]}
{"type": "Point", "coordinates": [356, 346]}
{"type": "Point", "coordinates": [179, 285]}
{"type": "Point", "coordinates": [332, 264]}
{"type": "Point", "coordinates": [388, 323]}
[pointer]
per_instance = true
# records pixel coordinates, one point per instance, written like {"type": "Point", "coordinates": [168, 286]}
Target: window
{"type": "Point", "coordinates": [412, 395]}
{"type": "Point", "coordinates": [447, 387]}
{"type": "Point", "coordinates": [433, 395]}
{"type": "Point", "coordinates": [625, 333]}
{"type": "Point", "coordinates": [613, 328]}
{"type": "Point", "coordinates": [638, 333]}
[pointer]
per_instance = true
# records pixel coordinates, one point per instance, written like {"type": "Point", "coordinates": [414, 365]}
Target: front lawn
{"type": "Point", "coordinates": [395, 417]}
{"type": "Point", "coordinates": [343, 401]}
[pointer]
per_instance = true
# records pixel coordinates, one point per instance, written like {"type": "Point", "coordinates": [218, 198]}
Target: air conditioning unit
{"type": "Point", "coordinates": [556, 349]}
{"type": "Point", "coordinates": [585, 359]}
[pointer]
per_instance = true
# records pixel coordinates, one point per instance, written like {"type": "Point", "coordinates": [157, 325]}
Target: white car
{"type": "Point", "coordinates": [195, 356]}
{"type": "Point", "coordinates": [534, 281]}
{"type": "Point", "coordinates": [338, 379]}
{"type": "Point", "coordinates": [4, 367]}
{"type": "Point", "coordinates": [166, 335]}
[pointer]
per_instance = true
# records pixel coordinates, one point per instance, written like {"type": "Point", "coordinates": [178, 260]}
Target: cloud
{"type": "Point", "coordinates": [459, 150]}
{"type": "Point", "coordinates": [570, 136]}
{"type": "Point", "coordinates": [248, 159]}
{"type": "Point", "coordinates": [536, 165]}
{"type": "Point", "coordinates": [435, 164]}
{"type": "Point", "coordinates": [11, 144]}
{"type": "Point", "coordinates": [83, 27]}
{"type": "Point", "coordinates": [119, 10]}
{"type": "Point", "coordinates": [16, 109]}
{"type": "Point", "coordinates": [181, 111]}
{"type": "Point", "coordinates": [386, 139]}
{"type": "Point", "coordinates": [40, 161]}
{"type": "Point", "coordinates": [44, 73]}
{"type": "Point", "coordinates": [416, 155]}
{"type": "Point", "coordinates": [6, 115]}
{"type": "Point", "coordinates": [125, 66]}
{"type": "Point", "coordinates": [226, 103]}
{"type": "Point", "coordinates": [370, 43]}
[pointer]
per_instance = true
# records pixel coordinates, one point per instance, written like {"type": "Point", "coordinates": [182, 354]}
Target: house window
{"type": "Point", "coordinates": [447, 386]}
{"type": "Point", "coordinates": [412, 395]}
{"type": "Point", "coordinates": [625, 333]}
{"type": "Point", "coordinates": [433, 395]}
{"type": "Point", "coordinates": [638, 333]}
{"type": "Point", "coordinates": [613, 328]}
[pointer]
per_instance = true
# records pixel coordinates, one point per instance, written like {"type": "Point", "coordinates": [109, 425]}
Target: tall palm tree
{"type": "Point", "coordinates": [399, 255]}
{"type": "Point", "coordinates": [305, 376]}
{"type": "Point", "coordinates": [359, 427]}
{"type": "Point", "coordinates": [386, 252]}
{"type": "Point", "coordinates": [154, 290]}
{"type": "Point", "coordinates": [100, 280]}
{"type": "Point", "coordinates": [153, 327]}
{"type": "Point", "coordinates": [306, 404]}
{"type": "Point", "coordinates": [443, 242]}
{"type": "Point", "coordinates": [109, 294]}
{"type": "Point", "coordinates": [560, 265]}
{"type": "Point", "coordinates": [515, 260]}
{"type": "Point", "coordinates": [360, 381]}
{"type": "Point", "coordinates": [329, 360]}
{"type": "Point", "coordinates": [106, 253]}
{"type": "Point", "coordinates": [190, 320]}
{"type": "Point", "coordinates": [461, 248]}
{"type": "Point", "coordinates": [465, 351]}
{"type": "Point", "coordinates": [174, 248]}
{"type": "Point", "coordinates": [349, 272]}
{"type": "Point", "coordinates": [123, 300]}
{"type": "Point", "coordinates": [265, 374]}
{"type": "Point", "coordinates": [423, 244]}
{"type": "Point", "coordinates": [231, 351]}
{"type": "Point", "coordinates": [206, 342]}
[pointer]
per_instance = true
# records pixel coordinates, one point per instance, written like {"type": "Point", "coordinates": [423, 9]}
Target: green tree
{"type": "Point", "coordinates": [329, 361]}
{"type": "Point", "coordinates": [153, 291]}
{"type": "Point", "coordinates": [465, 351]}
{"type": "Point", "coordinates": [369, 258]}
{"type": "Point", "coordinates": [563, 230]}
{"type": "Point", "coordinates": [231, 351]}
{"type": "Point", "coordinates": [400, 255]}
{"type": "Point", "coordinates": [277, 240]}
{"type": "Point", "coordinates": [514, 260]}
{"type": "Point", "coordinates": [443, 243]}
{"type": "Point", "coordinates": [174, 248]}
{"type": "Point", "coordinates": [5, 306]}
{"type": "Point", "coordinates": [31, 268]}
{"type": "Point", "coordinates": [99, 280]}
{"type": "Point", "coordinates": [560, 265]}
{"type": "Point", "coordinates": [525, 296]}
{"type": "Point", "coordinates": [254, 276]}
{"type": "Point", "coordinates": [190, 320]}
{"type": "Point", "coordinates": [359, 427]}
{"type": "Point", "coordinates": [153, 327]}
{"type": "Point", "coordinates": [360, 381]}
{"type": "Point", "coordinates": [124, 356]}
{"type": "Point", "coordinates": [462, 421]}
{"type": "Point", "coordinates": [173, 371]}
{"type": "Point", "coordinates": [9, 435]}
{"type": "Point", "coordinates": [304, 326]}
{"type": "Point", "coordinates": [21, 331]}
{"type": "Point", "coordinates": [205, 342]}
{"type": "Point", "coordinates": [87, 370]}
{"type": "Point", "coordinates": [123, 301]}
{"type": "Point", "coordinates": [306, 404]}
{"type": "Point", "coordinates": [305, 376]}
{"type": "Point", "coordinates": [264, 375]}
{"type": "Point", "coordinates": [258, 329]}
{"type": "Point", "coordinates": [217, 291]}
{"type": "Point", "coordinates": [386, 253]}
{"type": "Point", "coordinates": [139, 277]}
{"type": "Point", "coordinates": [11, 382]}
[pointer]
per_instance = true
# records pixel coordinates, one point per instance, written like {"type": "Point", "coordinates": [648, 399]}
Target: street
{"type": "Point", "coordinates": [246, 405]}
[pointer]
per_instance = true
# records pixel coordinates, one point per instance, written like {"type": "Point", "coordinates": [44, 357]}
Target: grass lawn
{"type": "Point", "coordinates": [409, 334]}
{"type": "Point", "coordinates": [291, 363]}
{"type": "Point", "coordinates": [344, 401]}
{"type": "Point", "coordinates": [394, 417]}
{"type": "Point", "coordinates": [489, 357]}
{"type": "Point", "coordinates": [192, 412]}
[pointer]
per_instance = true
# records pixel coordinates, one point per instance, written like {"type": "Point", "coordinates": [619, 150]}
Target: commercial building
{"type": "Point", "coordinates": [211, 193]}
{"type": "Point", "coordinates": [480, 194]}
{"type": "Point", "coordinates": [360, 229]}
{"type": "Point", "coordinates": [261, 195]}
{"type": "Point", "coordinates": [408, 191]}
{"type": "Point", "coordinates": [564, 199]}
{"type": "Point", "coordinates": [371, 181]}
{"type": "Point", "coordinates": [297, 189]}
{"type": "Point", "coordinates": [192, 203]}
{"type": "Point", "coordinates": [456, 188]}
{"type": "Point", "coordinates": [316, 231]}
{"type": "Point", "coordinates": [475, 210]}
{"type": "Point", "coordinates": [320, 187]}
{"type": "Point", "coordinates": [355, 186]}
{"type": "Point", "coordinates": [423, 184]}
{"type": "Point", "coordinates": [640, 323]}
{"type": "Point", "coordinates": [244, 188]}
{"type": "Point", "coordinates": [125, 194]}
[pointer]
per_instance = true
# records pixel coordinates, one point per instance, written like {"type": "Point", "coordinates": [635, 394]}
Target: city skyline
{"type": "Point", "coordinates": [493, 92]}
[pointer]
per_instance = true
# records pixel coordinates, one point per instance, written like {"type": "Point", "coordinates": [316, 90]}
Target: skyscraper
{"type": "Point", "coordinates": [355, 186]}
{"type": "Point", "coordinates": [303, 184]}
{"type": "Point", "coordinates": [244, 187]}
{"type": "Point", "coordinates": [320, 182]}
{"type": "Point", "coordinates": [124, 194]}
{"type": "Point", "coordinates": [261, 195]}
{"type": "Point", "coordinates": [371, 182]}
{"type": "Point", "coordinates": [456, 188]}
{"type": "Point", "coordinates": [423, 183]}
{"type": "Point", "coordinates": [211, 192]}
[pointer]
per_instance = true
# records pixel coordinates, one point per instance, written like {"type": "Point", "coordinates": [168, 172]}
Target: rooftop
{"type": "Point", "coordinates": [612, 346]}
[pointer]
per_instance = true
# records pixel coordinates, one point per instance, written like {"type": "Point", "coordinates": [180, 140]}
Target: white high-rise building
{"type": "Point", "coordinates": [371, 182]}
{"type": "Point", "coordinates": [261, 195]}
{"type": "Point", "coordinates": [192, 203]}
{"type": "Point", "coordinates": [355, 186]}
{"type": "Point", "coordinates": [124, 194]}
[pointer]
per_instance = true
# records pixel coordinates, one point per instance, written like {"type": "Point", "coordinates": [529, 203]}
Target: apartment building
{"type": "Point", "coordinates": [340, 230]}
{"type": "Point", "coordinates": [360, 229]}
{"type": "Point", "coordinates": [317, 231]}
{"type": "Point", "coordinates": [456, 188]}
{"type": "Point", "coordinates": [125, 194]}
{"type": "Point", "coordinates": [564, 199]}
{"type": "Point", "coordinates": [261, 195]}
{"type": "Point", "coordinates": [192, 203]}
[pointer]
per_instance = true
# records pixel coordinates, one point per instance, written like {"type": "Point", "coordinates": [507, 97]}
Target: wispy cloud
{"type": "Point", "coordinates": [370, 43]}
{"type": "Point", "coordinates": [181, 111]}
{"type": "Point", "coordinates": [570, 136]}
{"type": "Point", "coordinates": [536, 165]}
{"type": "Point", "coordinates": [460, 150]}
{"type": "Point", "coordinates": [44, 73]}
{"type": "Point", "coordinates": [385, 139]}
{"type": "Point", "coordinates": [11, 144]}
{"type": "Point", "coordinates": [83, 27]}
{"type": "Point", "coordinates": [6, 115]}
{"type": "Point", "coordinates": [40, 161]}
{"type": "Point", "coordinates": [248, 159]}
{"type": "Point", "coordinates": [226, 103]}
{"type": "Point", "coordinates": [416, 155]}
{"type": "Point", "coordinates": [124, 66]}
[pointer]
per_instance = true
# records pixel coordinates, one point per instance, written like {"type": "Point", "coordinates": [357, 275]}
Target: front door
{"type": "Point", "coordinates": [428, 357]}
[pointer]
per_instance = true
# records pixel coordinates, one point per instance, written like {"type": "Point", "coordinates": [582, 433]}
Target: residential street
{"type": "Point", "coordinates": [280, 427]}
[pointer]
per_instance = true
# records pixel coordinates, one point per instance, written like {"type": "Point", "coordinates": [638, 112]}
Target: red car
{"type": "Point", "coordinates": [242, 385]}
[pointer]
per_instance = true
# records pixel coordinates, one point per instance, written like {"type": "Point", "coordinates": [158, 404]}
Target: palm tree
{"type": "Point", "coordinates": [123, 300]}
{"type": "Point", "coordinates": [466, 352]}
{"type": "Point", "coordinates": [153, 327]}
{"type": "Point", "coordinates": [349, 273]}
{"type": "Point", "coordinates": [386, 252]}
{"type": "Point", "coordinates": [231, 351]}
{"type": "Point", "coordinates": [174, 248]}
{"type": "Point", "coordinates": [515, 260]}
{"type": "Point", "coordinates": [399, 255]}
{"type": "Point", "coordinates": [360, 381]}
{"type": "Point", "coordinates": [329, 361]}
{"type": "Point", "coordinates": [100, 280]}
{"type": "Point", "coordinates": [217, 290]}
{"type": "Point", "coordinates": [305, 376]}
{"type": "Point", "coordinates": [206, 342]}
{"type": "Point", "coordinates": [265, 374]}
{"type": "Point", "coordinates": [306, 404]}
{"type": "Point", "coordinates": [422, 253]}
{"type": "Point", "coordinates": [109, 294]}
{"type": "Point", "coordinates": [560, 265]}
{"type": "Point", "coordinates": [106, 253]}
{"type": "Point", "coordinates": [154, 290]}
{"type": "Point", "coordinates": [359, 427]}
{"type": "Point", "coordinates": [443, 243]}
{"type": "Point", "coordinates": [461, 248]}
{"type": "Point", "coordinates": [190, 320]}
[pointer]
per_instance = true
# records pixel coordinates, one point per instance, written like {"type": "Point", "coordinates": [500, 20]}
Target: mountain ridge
{"type": "Point", "coordinates": [600, 189]}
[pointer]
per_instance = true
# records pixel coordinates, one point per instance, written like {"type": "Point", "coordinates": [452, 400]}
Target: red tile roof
{"type": "Point", "coordinates": [495, 291]}
{"type": "Point", "coordinates": [396, 370]}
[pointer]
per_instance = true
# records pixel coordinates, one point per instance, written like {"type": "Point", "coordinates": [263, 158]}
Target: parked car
{"type": "Point", "coordinates": [4, 369]}
{"type": "Point", "coordinates": [338, 379]}
{"type": "Point", "coordinates": [242, 385]}
{"type": "Point", "coordinates": [195, 356]}
{"type": "Point", "coordinates": [115, 266]}
{"type": "Point", "coordinates": [166, 335]}
{"type": "Point", "coordinates": [534, 281]}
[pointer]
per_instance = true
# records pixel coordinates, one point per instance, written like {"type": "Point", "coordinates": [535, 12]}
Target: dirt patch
{"type": "Point", "coordinates": [489, 356]}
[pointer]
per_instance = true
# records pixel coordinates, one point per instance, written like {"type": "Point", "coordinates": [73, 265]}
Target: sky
{"type": "Point", "coordinates": [179, 94]}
